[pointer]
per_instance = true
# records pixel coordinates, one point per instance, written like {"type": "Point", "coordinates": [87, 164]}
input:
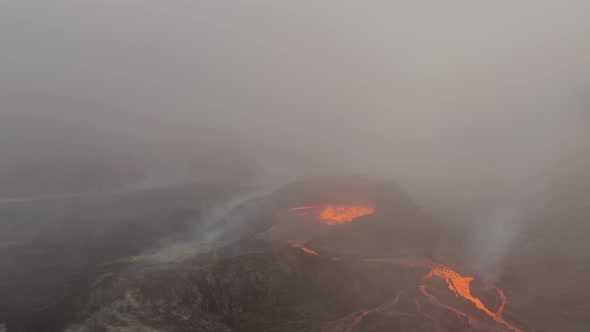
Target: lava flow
{"type": "Point", "coordinates": [350, 322]}
{"type": "Point", "coordinates": [300, 245]}
{"type": "Point", "coordinates": [458, 284]}
{"type": "Point", "coordinates": [334, 214]}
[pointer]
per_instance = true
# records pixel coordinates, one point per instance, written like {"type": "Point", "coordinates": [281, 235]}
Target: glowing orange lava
{"type": "Point", "coordinates": [300, 245]}
{"type": "Point", "coordinates": [458, 284]}
{"type": "Point", "coordinates": [334, 214]}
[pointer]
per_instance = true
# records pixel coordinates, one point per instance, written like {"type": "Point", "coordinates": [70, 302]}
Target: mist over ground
{"type": "Point", "coordinates": [157, 118]}
{"type": "Point", "coordinates": [461, 96]}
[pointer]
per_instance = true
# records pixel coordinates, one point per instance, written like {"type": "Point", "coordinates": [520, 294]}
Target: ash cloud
{"type": "Point", "coordinates": [458, 100]}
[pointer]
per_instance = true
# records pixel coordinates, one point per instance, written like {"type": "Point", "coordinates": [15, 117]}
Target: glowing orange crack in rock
{"type": "Point", "coordinates": [301, 246]}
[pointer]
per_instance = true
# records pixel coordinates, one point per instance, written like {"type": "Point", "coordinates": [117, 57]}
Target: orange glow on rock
{"type": "Point", "coordinates": [458, 284]}
{"type": "Point", "coordinates": [334, 214]}
{"type": "Point", "coordinates": [344, 213]}
{"type": "Point", "coordinates": [300, 245]}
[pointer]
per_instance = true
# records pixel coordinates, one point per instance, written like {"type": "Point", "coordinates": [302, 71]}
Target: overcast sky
{"type": "Point", "coordinates": [466, 94]}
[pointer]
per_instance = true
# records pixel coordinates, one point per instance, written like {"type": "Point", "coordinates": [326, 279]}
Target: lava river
{"type": "Point", "coordinates": [458, 284]}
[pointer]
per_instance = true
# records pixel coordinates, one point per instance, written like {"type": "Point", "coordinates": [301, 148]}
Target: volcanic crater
{"type": "Point", "coordinates": [325, 254]}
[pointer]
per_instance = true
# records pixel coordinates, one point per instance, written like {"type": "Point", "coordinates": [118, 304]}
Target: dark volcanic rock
{"type": "Point", "coordinates": [282, 289]}
{"type": "Point", "coordinates": [264, 267]}
{"type": "Point", "coordinates": [253, 283]}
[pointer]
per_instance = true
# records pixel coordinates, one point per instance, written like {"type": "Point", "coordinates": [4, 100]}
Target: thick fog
{"type": "Point", "coordinates": [457, 97]}
{"type": "Point", "coordinates": [478, 109]}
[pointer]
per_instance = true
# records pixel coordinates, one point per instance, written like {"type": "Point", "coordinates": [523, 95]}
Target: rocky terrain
{"type": "Point", "coordinates": [327, 254]}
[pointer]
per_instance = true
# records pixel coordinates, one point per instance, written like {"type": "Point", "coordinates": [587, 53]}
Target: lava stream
{"type": "Point", "coordinates": [300, 245]}
{"type": "Point", "coordinates": [458, 284]}
{"type": "Point", "coordinates": [437, 327]}
{"type": "Point", "coordinates": [438, 303]}
{"type": "Point", "coordinates": [351, 321]}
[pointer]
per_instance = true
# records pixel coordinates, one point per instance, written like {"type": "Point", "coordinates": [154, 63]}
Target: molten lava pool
{"type": "Point", "coordinates": [334, 214]}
